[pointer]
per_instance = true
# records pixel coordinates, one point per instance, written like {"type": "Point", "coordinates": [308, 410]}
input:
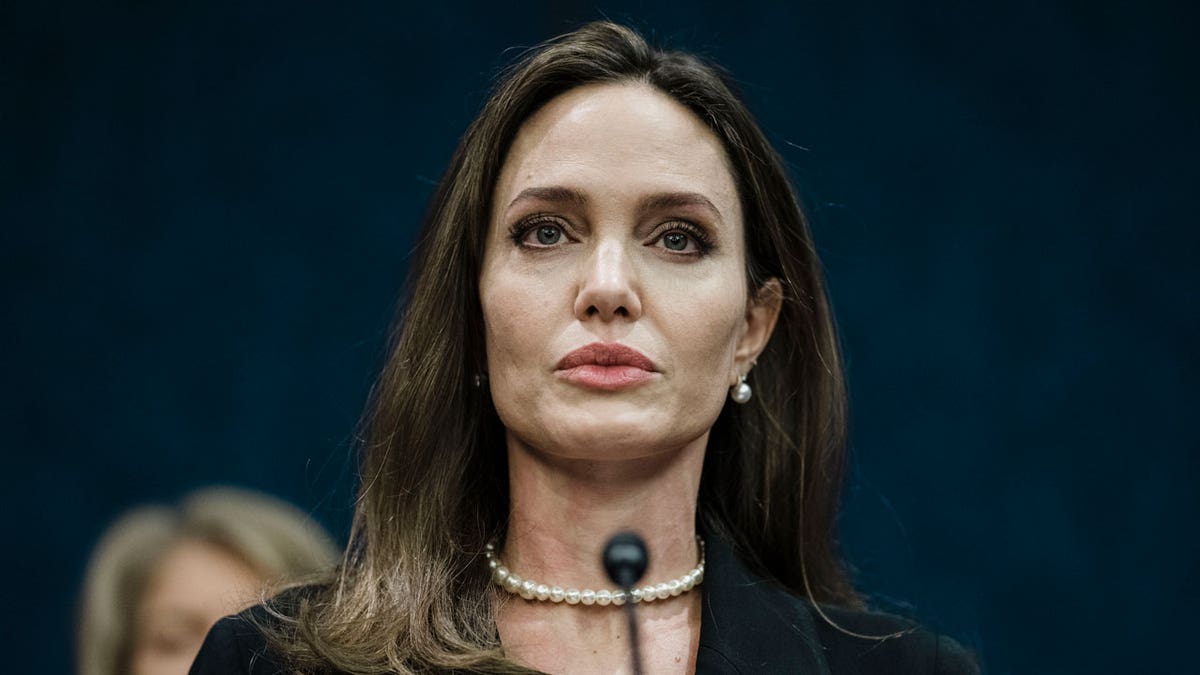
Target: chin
{"type": "Point", "coordinates": [589, 426]}
{"type": "Point", "coordinates": [601, 439]}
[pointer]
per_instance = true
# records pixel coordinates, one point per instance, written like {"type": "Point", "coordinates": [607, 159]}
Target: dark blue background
{"type": "Point", "coordinates": [207, 209]}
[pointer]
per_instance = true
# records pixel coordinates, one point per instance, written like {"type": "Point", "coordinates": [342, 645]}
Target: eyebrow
{"type": "Point", "coordinates": [654, 202]}
{"type": "Point", "coordinates": [554, 195]}
{"type": "Point", "coordinates": [674, 200]}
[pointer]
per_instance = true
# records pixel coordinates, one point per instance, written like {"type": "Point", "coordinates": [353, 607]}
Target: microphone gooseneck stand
{"type": "Point", "coordinates": [625, 561]}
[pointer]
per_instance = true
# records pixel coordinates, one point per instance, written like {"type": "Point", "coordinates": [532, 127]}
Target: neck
{"type": "Point", "coordinates": [563, 511]}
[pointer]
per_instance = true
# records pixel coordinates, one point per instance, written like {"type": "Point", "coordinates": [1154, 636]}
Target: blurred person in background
{"type": "Point", "coordinates": [161, 576]}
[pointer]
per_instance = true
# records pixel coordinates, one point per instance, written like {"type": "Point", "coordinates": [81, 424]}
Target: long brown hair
{"type": "Point", "coordinates": [412, 593]}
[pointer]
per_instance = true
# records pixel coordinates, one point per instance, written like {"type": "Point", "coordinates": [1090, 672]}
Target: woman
{"type": "Point", "coordinates": [615, 320]}
{"type": "Point", "coordinates": [162, 576]}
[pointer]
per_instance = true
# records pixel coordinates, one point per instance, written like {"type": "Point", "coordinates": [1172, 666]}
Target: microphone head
{"type": "Point", "coordinates": [625, 559]}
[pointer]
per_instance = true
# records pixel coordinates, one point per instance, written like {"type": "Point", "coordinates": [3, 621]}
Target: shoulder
{"type": "Point", "coordinates": [237, 645]}
{"type": "Point", "coordinates": [751, 624]}
{"type": "Point", "coordinates": [853, 642]}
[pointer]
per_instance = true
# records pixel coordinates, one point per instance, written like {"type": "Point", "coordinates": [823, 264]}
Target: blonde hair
{"type": "Point", "coordinates": [275, 538]}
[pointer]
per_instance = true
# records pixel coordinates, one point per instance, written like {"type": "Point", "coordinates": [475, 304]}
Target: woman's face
{"type": "Point", "coordinates": [193, 586]}
{"type": "Point", "coordinates": [613, 284]}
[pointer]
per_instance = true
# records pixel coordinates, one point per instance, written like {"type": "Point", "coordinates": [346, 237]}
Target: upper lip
{"type": "Point", "coordinates": [606, 354]}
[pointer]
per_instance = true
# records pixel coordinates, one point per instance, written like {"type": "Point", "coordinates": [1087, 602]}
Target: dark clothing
{"type": "Point", "coordinates": [749, 625]}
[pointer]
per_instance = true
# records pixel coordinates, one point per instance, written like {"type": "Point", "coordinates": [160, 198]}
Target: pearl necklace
{"type": "Point", "coordinates": [532, 590]}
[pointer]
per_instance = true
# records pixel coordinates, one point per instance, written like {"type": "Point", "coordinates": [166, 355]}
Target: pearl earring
{"type": "Point", "coordinates": [740, 392]}
{"type": "Point", "coordinates": [479, 380]}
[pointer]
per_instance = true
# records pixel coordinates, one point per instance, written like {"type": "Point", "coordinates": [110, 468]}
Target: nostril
{"type": "Point", "coordinates": [619, 310]}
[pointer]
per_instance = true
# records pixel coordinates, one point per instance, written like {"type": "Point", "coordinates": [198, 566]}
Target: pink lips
{"type": "Point", "coordinates": [609, 367]}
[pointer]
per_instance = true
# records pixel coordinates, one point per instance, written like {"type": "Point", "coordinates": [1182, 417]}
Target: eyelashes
{"type": "Point", "coordinates": [678, 237]}
{"type": "Point", "coordinates": [520, 231]}
{"type": "Point", "coordinates": [698, 235]}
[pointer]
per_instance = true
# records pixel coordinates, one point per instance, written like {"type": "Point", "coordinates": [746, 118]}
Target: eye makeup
{"type": "Point", "coordinates": [519, 231]}
{"type": "Point", "coordinates": [699, 235]}
{"type": "Point", "coordinates": [541, 231]}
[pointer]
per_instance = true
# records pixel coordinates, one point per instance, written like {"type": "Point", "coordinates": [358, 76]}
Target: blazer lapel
{"type": "Point", "coordinates": [750, 624]}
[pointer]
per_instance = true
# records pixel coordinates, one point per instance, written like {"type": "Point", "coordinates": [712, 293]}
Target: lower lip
{"type": "Point", "coordinates": [607, 378]}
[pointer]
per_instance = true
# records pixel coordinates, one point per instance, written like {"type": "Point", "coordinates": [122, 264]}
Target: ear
{"type": "Point", "coordinates": [762, 311]}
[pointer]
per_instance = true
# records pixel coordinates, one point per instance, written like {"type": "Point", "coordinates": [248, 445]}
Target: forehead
{"type": "Point", "coordinates": [618, 141]}
{"type": "Point", "coordinates": [195, 573]}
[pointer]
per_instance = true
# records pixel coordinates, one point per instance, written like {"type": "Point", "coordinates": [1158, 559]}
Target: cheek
{"type": "Point", "coordinates": [519, 323]}
{"type": "Point", "coordinates": [512, 323]}
{"type": "Point", "coordinates": [516, 380]}
{"type": "Point", "coordinates": [703, 333]}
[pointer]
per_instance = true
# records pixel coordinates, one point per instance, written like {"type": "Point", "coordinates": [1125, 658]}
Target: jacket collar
{"type": "Point", "coordinates": [750, 624]}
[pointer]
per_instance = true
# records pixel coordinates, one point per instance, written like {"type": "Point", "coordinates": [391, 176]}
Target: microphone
{"type": "Point", "coordinates": [625, 561]}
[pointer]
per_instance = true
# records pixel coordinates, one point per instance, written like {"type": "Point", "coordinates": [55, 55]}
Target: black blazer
{"type": "Point", "coordinates": [749, 625]}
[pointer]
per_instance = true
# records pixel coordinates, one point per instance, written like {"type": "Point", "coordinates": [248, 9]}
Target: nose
{"type": "Point", "coordinates": [608, 288]}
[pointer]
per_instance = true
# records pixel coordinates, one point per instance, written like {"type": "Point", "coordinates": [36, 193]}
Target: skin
{"type": "Point", "coordinates": [194, 585]}
{"type": "Point", "coordinates": [586, 463]}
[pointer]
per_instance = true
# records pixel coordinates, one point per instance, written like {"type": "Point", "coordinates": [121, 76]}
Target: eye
{"type": "Point", "coordinates": [174, 640]}
{"type": "Point", "coordinates": [548, 235]}
{"type": "Point", "coordinates": [538, 232]}
{"type": "Point", "coordinates": [684, 238]}
{"type": "Point", "coordinates": [676, 241]}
